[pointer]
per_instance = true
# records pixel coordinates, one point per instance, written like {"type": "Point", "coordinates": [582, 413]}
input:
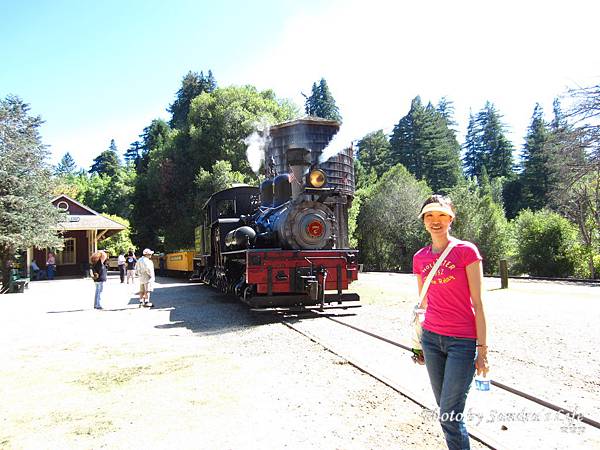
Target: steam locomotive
{"type": "Point", "coordinates": [285, 243]}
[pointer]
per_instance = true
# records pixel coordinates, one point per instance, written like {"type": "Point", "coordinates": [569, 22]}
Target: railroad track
{"type": "Point", "coordinates": [567, 280]}
{"type": "Point", "coordinates": [476, 433]}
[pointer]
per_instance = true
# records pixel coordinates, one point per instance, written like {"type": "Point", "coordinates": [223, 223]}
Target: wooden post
{"type": "Point", "coordinates": [503, 274]}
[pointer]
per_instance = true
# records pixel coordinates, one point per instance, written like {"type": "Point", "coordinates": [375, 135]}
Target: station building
{"type": "Point", "coordinates": [81, 232]}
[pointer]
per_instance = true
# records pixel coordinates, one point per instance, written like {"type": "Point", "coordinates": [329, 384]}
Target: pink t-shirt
{"type": "Point", "coordinates": [449, 307]}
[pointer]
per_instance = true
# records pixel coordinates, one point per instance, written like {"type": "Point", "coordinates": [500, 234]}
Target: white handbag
{"type": "Point", "coordinates": [418, 312]}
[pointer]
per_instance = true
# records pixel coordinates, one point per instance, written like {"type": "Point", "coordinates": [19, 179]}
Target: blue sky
{"type": "Point", "coordinates": [101, 70]}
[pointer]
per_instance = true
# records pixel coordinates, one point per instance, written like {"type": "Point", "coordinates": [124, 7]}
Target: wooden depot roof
{"type": "Point", "coordinates": [81, 217]}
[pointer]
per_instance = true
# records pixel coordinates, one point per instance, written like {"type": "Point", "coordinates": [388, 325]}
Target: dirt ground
{"type": "Point", "coordinates": [202, 371]}
{"type": "Point", "coordinates": [197, 371]}
{"type": "Point", "coordinates": [542, 336]}
{"type": "Point", "coordinates": [543, 339]}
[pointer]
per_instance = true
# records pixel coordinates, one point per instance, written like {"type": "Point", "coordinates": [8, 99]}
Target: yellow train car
{"type": "Point", "coordinates": [176, 264]}
{"type": "Point", "coordinates": [180, 261]}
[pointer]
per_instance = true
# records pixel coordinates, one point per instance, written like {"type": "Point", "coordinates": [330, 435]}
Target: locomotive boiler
{"type": "Point", "coordinates": [285, 243]}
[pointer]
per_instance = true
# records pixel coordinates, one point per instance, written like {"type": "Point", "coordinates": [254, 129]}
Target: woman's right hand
{"type": "Point", "coordinates": [481, 363]}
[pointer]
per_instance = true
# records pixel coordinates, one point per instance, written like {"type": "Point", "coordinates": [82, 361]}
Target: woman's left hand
{"type": "Point", "coordinates": [481, 363]}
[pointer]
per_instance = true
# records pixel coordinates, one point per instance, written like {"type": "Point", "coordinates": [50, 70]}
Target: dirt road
{"type": "Point", "coordinates": [202, 371]}
{"type": "Point", "coordinates": [197, 371]}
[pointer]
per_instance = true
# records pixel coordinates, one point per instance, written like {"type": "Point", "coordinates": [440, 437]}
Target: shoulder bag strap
{"type": "Point", "coordinates": [434, 269]}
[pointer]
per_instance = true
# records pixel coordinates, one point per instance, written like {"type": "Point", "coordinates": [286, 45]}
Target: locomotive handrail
{"type": "Point", "coordinates": [323, 257]}
{"type": "Point", "coordinates": [233, 252]}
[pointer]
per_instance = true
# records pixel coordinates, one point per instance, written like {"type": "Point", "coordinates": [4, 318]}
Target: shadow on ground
{"type": "Point", "coordinates": [202, 309]}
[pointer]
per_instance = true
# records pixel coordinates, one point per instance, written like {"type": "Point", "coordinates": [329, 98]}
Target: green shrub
{"type": "Point", "coordinates": [583, 256]}
{"type": "Point", "coordinates": [480, 219]}
{"type": "Point", "coordinates": [388, 229]}
{"type": "Point", "coordinates": [546, 244]}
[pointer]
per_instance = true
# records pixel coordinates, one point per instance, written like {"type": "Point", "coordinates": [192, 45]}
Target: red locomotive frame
{"type": "Point", "coordinates": [277, 273]}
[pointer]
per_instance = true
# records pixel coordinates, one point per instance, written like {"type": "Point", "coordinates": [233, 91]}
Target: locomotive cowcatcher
{"type": "Point", "coordinates": [285, 243]}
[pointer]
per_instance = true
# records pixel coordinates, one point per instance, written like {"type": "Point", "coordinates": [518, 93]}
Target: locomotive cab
{"type": "Point", "coordinates": [220, 215]}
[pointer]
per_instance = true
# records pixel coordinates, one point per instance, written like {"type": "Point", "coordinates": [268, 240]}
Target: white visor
{"type": "Point", "coordinates": [438, 207]}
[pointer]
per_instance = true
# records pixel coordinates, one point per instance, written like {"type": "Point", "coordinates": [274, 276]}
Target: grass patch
{"type": "Point", "coordinates": [98, 428]}
{"type": "Point", "coordinates": [105, 380]}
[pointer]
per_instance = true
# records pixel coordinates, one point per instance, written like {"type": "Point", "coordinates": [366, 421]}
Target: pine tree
{"type": "Point", "coordinates": [535, 175]}
{"type": "Point", "coordinates": [66, 166]}
{"type": "Point", "coordinates": [494, 143]}
{"type": "Point", "coordinates": [310, 104]}
{"type": "Point", "coordinates": [422, 142]}
{"type": "Point", "coordinates": [404, 140]}
{"type": "Point", "coordinates": [474, 157]}
{"type": "Point", "coordinates": [566, 155]}
{"type": "Point", "coordinates": [321, 102]}
{"type": "Point", "coordinates": [486, 145]}
{"type": "Point", "coordinates": [446, 109]}
{"type": "Point", "coordinates": [147, 214]}
{"type": "Point", "coordinates": [107, 162]}
{"type": "Point", "coordinates": [443, 168]}
{"type": "Point", "coordinates": [558, 120]}
{"type": "Point", "coordinates": [192, 85]}
{"type": "Point", "coordinates": [154, 135]}
{"type": "Point", "coordinates": [133, 153]}
{"type": "Point", "coordinates": [27, 217]}
{"type": "Point", "coordinates": [445, 117]}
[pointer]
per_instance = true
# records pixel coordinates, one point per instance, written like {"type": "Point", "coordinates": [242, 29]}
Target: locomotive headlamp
{"type": "Point", "coordinates": [317, 178]}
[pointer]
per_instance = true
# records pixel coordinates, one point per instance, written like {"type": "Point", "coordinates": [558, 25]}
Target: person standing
{"type": "Point", "coordinates": [162, 264]}
{"type": "Point", "coordinates": [50, 266]}
{"type": "Point", "coordinates": [99, 272]}
{"type": "Point", "coordinates": [145, 270]}
{"type": "Point", "coordinates": [130, 265]}
{"type": "Point", "coordinates": [121, 264]}
{"type": "Point", "coordinates": [454, 330]}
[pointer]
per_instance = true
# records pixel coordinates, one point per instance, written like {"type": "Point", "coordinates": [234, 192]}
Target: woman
{"type": "Point", "coordinates": [50, 265]}
{"type": "Point", "coordinates": [454, 330]}
{"type": "Point", "coordinates": [99, 272]}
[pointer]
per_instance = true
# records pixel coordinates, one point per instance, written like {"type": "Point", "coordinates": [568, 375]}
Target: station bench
{"type": "Point", "coordinates": [17, 284]}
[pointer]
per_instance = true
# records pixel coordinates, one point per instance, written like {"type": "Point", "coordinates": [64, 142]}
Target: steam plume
{"type": "Point", "coordinates": [341, 141]}
{"type": "Point", "coordinates": [257, 143]}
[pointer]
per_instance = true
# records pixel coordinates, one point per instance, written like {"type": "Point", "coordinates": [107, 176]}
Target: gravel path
{"type": "Point", "coordinates": [202, 371]}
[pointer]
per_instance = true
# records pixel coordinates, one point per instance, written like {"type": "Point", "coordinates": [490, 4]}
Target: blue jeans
{"type": "Point", "coordinates": [98, 296]}
{"type": "Point", "coordinates": [450, 362]}
{"type": "Point", "coordinates": [50, 269]}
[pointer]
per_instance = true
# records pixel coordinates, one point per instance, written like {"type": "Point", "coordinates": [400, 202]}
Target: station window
{"type": "Point", "coordinates": [68, 253]}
